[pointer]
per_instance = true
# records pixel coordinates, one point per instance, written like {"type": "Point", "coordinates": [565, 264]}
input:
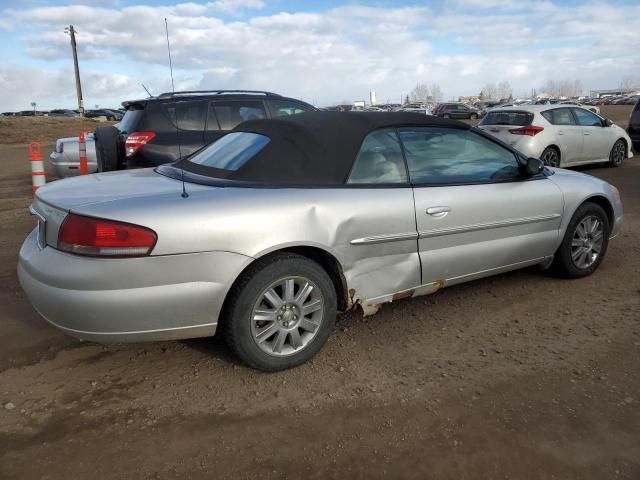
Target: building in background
{"type": "Point", "coordinates": [372, 97]}
{"type": "Point", "coordinates": [612, 92]}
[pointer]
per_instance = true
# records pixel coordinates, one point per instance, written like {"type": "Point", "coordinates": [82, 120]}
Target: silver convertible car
{"type": "Point", "coordinates": [266, 233]}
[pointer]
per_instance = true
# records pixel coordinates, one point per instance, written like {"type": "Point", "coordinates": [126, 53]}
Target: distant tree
{"type": "Point", "coordinates": [420, 93]}
{"type": "Point", "coordinates": [489, 92]}
{"type": "Point", "coordinates": [436, 93]}
{"type": "Point", "coordinates": [551, 88]}
{"type": "Point", "coordinates": [406, 100]}
{"type": "Point", "coordinates": [503, 90]}
{"type": "Point", "coordinates": [577, 88]}
{"type": "Point", "coordinates": [629, 82]}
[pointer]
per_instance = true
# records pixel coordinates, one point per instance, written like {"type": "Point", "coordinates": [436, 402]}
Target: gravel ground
{"type": "Point", "coordinates": [521, 376]}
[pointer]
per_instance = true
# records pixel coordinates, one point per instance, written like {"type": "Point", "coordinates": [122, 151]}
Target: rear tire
{"type": "Point", "coordinates": [584, 244]}
{"type": "Point", "coordinates": [617, 154]}
{"type": "Point", "coordinates": [264, 320]}
{"type": "Point", "coordinates": [106, 142]}
{"type": "Point", "coordinates": [551, 157]}
{"type": "Point", "coordinates": [473, 116]}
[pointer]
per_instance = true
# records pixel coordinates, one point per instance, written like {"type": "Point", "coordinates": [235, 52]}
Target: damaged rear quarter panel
{"type": "Point", "coordinates": [257, 221]}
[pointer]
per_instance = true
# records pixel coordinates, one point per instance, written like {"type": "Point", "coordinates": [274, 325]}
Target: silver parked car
{"type": "Point", "coordinates": [561, 135]}
{"type": "Point", "coordinates": [65, 159]}
{"type": "Point", "coordinates": [267, 232]}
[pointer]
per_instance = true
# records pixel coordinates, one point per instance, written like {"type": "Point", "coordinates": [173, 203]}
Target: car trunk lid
{"type": "Point", "coordinates": [106, 187]}
{"type": "Point", "coordinates": [55, 200]}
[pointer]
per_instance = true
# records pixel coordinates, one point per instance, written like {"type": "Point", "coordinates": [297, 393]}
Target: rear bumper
{"type": "Point", "coordinates": [128, 300]}
{"type": "Point", "coordinates": [63, 167]}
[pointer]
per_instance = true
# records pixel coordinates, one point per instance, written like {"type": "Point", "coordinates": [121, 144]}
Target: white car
{"type": "Point", "coordinates": [560, 135]}
{"type": "Point", "coordinates": [65, 159]}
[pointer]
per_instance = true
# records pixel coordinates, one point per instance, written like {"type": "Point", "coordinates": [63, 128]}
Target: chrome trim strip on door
{"type": "Point", "coordinates": [485, 226]}
{"type": "Point", "coordinates": [393, 237]}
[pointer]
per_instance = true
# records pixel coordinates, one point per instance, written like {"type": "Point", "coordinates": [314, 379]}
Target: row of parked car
{"type": "Point", "coordinates": [614, 100]}
{"type": "Point", "coordinates": [108, 113]}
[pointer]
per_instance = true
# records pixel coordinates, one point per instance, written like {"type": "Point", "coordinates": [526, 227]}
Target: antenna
{"type": "Point", "coordinates": [146, 89]}
{"type": "Point", "coordinates": [166, 29]}
{"type": "Point", "coordinates": [173, 88]}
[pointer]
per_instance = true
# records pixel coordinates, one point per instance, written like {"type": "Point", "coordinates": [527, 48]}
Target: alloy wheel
{"type": "Point", "coordinates": [550, 158]}
{"type": "Point", "coordinates": [287, 316]}
{"type": "Point", "coordinates": [587, 242]}
{"type": "Point", "coordinates": [618, 153]}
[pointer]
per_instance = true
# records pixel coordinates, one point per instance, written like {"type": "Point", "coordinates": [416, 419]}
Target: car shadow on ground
{"type": "Point", "coordinates": [214, 346]}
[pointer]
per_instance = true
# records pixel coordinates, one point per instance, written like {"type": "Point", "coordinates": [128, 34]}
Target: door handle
{"type": "Point", "coordinates": [438, 211]}
{"type": "Point", "coordinates": [586, 133]}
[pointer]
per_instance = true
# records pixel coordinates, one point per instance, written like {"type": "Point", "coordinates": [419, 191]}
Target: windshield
{"type": "Point", "coordinates": [231, 151]}
{"type": "Point", "coordinates": [505, 117]}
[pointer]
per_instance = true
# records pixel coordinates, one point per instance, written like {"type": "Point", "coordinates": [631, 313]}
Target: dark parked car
{"type": "Point", "coordinates": [455, 110]}
{"type": "Point", "coordinates": [62, 112]}
{"type": "Point", "coordinates": [634, 126]}
{"type": "Point", "coordinates": [103, 112]}
{"type": "Point", "coordinates": [161, 129]}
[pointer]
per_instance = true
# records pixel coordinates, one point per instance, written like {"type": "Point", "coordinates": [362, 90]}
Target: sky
{"type": "Point", "coordinates": [323, 52]}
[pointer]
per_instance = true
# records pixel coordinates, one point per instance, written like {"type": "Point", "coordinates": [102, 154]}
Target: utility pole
{"type": "Point", "coordinates": [72, 33]}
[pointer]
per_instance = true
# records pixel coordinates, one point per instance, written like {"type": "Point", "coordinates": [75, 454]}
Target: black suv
{"type": "Point", "coordinates": [633, 129]}
{"type": "Point", "coordinates": [455, 110]}
{"type": "Point", "coordinates": [162, 129]}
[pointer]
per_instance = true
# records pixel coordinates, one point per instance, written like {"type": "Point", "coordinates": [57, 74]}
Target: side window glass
{"type": "Point", "coordinates": [586, 118]}
{"type": "Point", "coordinates": [453, 156]}
{"type": "Point", "coordinates": [232, 112]}
{"type": "Point", "coordinates": [379, 160]}
{"type": "Point", "coordinates": [281, 108]}
{"type": "Point", "coordinates": [187, 115]}
{"type": "Point", "coordinates": [559, 116]}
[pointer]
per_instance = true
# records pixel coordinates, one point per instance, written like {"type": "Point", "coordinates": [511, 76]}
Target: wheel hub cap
{"type": "Point", "coordinates": [287, 316]}
{"type": "Point", "coordinates": [587, 242]}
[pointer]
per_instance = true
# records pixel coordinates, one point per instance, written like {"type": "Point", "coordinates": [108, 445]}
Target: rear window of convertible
{"type": "Point", "coordinates": [231, 151]}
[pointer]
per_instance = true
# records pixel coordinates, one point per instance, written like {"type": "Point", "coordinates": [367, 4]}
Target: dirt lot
{"type": "Point", "coordinates": [19, 130]}
{"type": "Point", "coordinates": [520, 376]}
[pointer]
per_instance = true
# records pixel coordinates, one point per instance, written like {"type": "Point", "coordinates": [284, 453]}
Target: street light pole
{"type": "Point", "coordinates": [72, 33]}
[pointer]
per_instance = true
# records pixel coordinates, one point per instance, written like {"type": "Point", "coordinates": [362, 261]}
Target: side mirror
{"type": "Point", "coordinates": [607, 123]}
{"type": "Point", "coordinates": [534, 166]}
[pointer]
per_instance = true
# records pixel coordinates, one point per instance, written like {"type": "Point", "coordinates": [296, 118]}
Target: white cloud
{"type": "Point", "coordinates": [339, 53]}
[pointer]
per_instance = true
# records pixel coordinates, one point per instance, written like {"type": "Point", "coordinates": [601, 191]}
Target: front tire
{"type": "Point", "coordinates": [618, 154]}
{"type": "Point", "coordinates": [585, 242]}
{"type": "Point", "coordinates": [473, 116]}
{"type": "Point", "coordinates": [551, 157]}
{"type": "Point", "coordinates": [280, 312]}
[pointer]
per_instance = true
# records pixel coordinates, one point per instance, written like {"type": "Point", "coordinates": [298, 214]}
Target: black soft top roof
{"type": "Point", "coordinates": [314, 148]}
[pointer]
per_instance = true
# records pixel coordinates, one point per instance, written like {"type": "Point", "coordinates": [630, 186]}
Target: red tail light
{"type": "Point", "coordinates": [104, 238]}
{"type": "Point", "coordinates": [531, 130]}
{"type": "Point", "coordinates": [136, 140]}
